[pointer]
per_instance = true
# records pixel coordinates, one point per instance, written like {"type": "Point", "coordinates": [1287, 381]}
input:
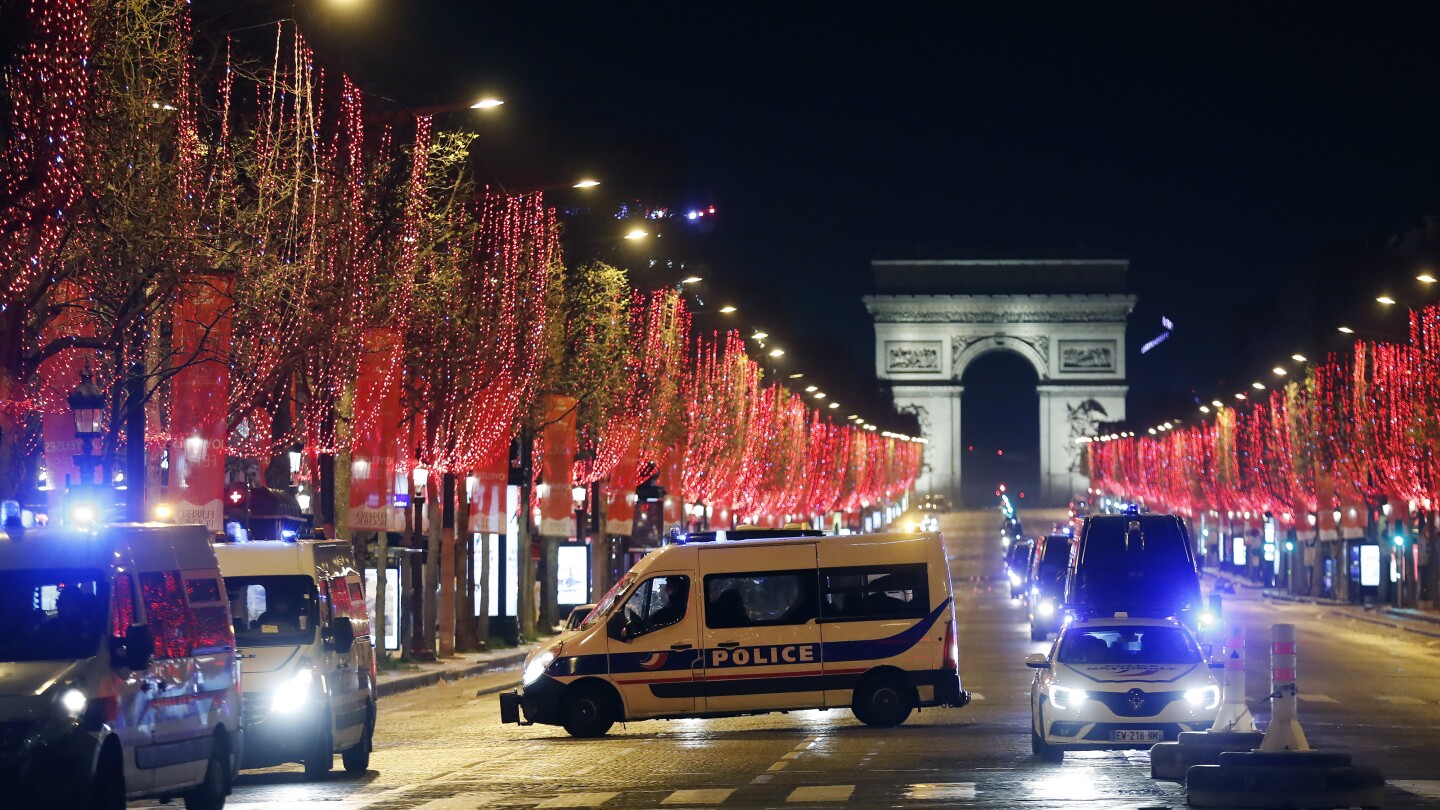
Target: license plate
{"type": "Point", "coordinates": [1138, 735]}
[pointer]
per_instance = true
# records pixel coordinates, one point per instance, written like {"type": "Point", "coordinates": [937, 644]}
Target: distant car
{"type": "Point", "coordinates": [930, 523]}
{"type": "Point", "coordinates": [1119, 683]}
{"type": "Point", "coordinates": [935, 502]}
{"type": "Point", "coordinates": [1048, 564]}
{"type": "Point", "coordinates": [577, 615]}
{"type": "Point", "coordinates": [1017, 567]}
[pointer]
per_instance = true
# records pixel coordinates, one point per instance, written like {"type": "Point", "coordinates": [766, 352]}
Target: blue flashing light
{"type": "Point", "coordinates": [1289, 545]}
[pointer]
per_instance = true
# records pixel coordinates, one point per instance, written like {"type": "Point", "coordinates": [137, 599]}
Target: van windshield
{"type": "Point", "coordinates": [602, 608]}
{"type": "Point", "coordinates": [52, 615]}
{"type": "Point", "coordinates": [272, 611]}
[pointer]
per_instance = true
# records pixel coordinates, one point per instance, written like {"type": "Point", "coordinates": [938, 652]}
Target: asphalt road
{"type": "Point", "coordinates": [1369, 690]}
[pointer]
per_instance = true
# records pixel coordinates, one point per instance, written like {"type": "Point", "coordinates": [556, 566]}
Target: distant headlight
{"type": "Point", "coordinates": [1014, 578]}
{"type": "Point", "coordinates": [293, 693]}
{"type": "Point", "coordinates": [1065, 698]}
{"type": "Point", "coordinates": [537, 667]}
{"type": "Point", "coordinates": [1046, 608]}
{"type": "Point", "coordinates": [1206, 697]}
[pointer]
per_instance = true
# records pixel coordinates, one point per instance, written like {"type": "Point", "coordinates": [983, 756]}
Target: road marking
{"type": "Point", "coordinates": [779, 766]}
{"type": "Point", "coordinates": [578, 800]}
{"type": "Point", "coordinates": [821, 793]}
{"type": "Point", "coordinates": [942, 791]}
{"type": "Point", "coordinates": [1402, 700]}
{"type": "Point", "coordinates": [1429, 788]}
{"type": "Point", "coordinates": [792, 755]}
{"type": "Point", "coordinates": [699, 796]}
{"type": "Point", "coordinates": [809, 741]}
{"type": "Point", "coordinates": [762, 779]}
{"type": "Point", "coordinates": [976, 696]}
{"type": "Point", "coordinates": [464, 801]}
{"type": "Point", "coordinates": [1317, 698]}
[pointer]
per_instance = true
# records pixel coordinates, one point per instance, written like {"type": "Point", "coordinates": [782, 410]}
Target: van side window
{"type": "Point", "coordinates": [165, 610]}
{"type": "Point", "coordinates": [210, 612]}
{"type": "Point", "coordinates": [875, 592]}
{"type": "Point", "coordinates": [763, 599]}
{"type": "Point", "coordinates": [659, 602]}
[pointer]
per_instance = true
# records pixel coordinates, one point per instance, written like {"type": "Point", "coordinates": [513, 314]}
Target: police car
{"type": "Point", "coordinates": [725, 627]}
{"type": "Point", "coordinates": [1119, 682]}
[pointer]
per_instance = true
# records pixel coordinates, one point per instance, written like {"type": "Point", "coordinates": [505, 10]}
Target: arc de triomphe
{"type": "Point", "coordinates": [1065, 317]}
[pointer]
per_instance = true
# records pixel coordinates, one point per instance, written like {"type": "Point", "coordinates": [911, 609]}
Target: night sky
{"type": "Point", "coordinates": [1232, 153]}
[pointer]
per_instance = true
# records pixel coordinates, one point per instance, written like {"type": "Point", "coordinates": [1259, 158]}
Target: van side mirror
{"type": "Point", "coordinates": [617, 628]}
{"type": "Point", "coordinates": [134, 651]}
{"type": "Point", "coordinates": [1037, 661]}
{"type": "Point", "coordinates": [340, 635]}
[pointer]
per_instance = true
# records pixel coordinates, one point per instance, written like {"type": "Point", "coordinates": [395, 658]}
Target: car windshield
{"type": "Point", "coordinates": [1129, 645]}
{"type": "Point", "coordinates": [602, 608]}
{"type": "Point", "coordinates": [272, 611]}
{"type": "Point", "coordinates": [52, 615]}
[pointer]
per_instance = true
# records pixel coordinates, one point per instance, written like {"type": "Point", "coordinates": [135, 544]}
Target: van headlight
{"type": "Point", "coordinates": [1206, 697]}
{"type": "Point", "coordinates": [73, 703]}
{"type": "Point", "coordinates": [537, 667]}
{"type": "Point", "coordinates": [1046, 608]}
{"type": "Point", "coordinates": [1062, 697]}
{"type": "Point", "coordinates": [294, 693]}
{"type": "Point", "coordinates": [1014, 578]}
{"type": "Point", "coordinates": [1206, 619]}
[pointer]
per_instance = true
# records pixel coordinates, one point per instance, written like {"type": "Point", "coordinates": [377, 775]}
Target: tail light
{"type": "Point", "coordinates": [952, 647]}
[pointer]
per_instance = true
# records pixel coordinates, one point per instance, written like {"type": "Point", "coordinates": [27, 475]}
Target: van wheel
{"type": "Point", "coordinates": [356, 758]}
{"type": "Point", "coordinates": [210, 794]}
{"type": "Point", "coordinates": [587, 711]}
{"type": "Point", "coordinates": [107, 792]}
{"type": "Point", "coordinates": [322, 756]}
{"type": "Point", "coordinates": [883, 701]}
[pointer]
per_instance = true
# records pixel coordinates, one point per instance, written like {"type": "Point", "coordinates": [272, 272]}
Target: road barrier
{"type": "Point", "coordinates": [1233, 729]}
{"type": "Point", "coordinates": [1284, 772]}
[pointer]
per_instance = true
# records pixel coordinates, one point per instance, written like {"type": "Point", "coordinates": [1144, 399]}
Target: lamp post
{"type": "Point", "coordinates": [87, 404]}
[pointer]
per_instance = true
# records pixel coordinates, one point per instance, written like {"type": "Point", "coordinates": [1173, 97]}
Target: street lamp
{"type": "Point", "coordinates": [487, 103]}
{"type": "Point", "coordinates": [87, 403]}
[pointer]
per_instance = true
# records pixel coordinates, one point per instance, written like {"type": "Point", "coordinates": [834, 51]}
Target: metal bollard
{"type": "Point", "coordinates": [1234, 715]}
{"type": "Point", "coordinates": [1284, 732]}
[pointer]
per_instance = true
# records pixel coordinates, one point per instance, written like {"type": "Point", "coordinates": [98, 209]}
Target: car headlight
{"type": "Point", "coordinates": [294, 692]}
{"type": "Point", "coordinates": [1206, 618]}
{"type": "Point", "coordinates": [1046, 608]}
{"type": "Point", "coordinates": [537, 667]}
{"type": "Point", "coordinates": [1206, 697]}
{"type": "Point", "coordinates": [72, 703]}
{"type": "Point", "coordinates": [1065, 698]}
{"type": "Point", "coordinates": [1014, 578]}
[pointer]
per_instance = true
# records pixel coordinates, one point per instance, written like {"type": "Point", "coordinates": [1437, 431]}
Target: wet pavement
{"type": "Point", "coordinates": [1368, 689]}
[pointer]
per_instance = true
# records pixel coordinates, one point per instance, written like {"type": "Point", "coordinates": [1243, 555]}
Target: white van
{"type": "Point", "coordinates": [118, 674]}
{"type": "Point", "coordinates": [729, 627]}
{"type": "Point", "coordinates": [304, 639]}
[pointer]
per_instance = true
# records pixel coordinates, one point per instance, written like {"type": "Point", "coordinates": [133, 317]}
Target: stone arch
{"type": "Point", "coordinates": [1065, 317]}
{"type": "Point", "coordinates": [970, 348]}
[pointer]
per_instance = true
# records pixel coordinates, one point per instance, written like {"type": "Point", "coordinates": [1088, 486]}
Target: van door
{"type": "Point", "coordinates": [347, 702]}
{"type": "Point", "coordinates": [761, 634]}
{"type": "Point", "coordinates": [133, 721]}
{"type": "Point", "coordinates": [655, 647]}
{"type": "Point", "coordinates": [180, 746]}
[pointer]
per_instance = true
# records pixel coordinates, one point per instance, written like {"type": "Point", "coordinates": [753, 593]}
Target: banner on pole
{"type": "Point", "coordinates": [487, 497]}
{"type": "Point", "coordinates": [557, 504]}
{"type": "Point", "coordinates": [377, 418]}
{"type": "Point", "coordinates": [198, 401]}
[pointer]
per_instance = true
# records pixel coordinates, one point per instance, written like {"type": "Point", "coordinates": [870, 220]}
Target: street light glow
{"type": "Point", "coordinates": [1345, 330]}
{"type": "Point", "coordinates": [636, 234]}
{"type": "Point", "coordinates": [1240, 397]}
{"type": "Point", "coordinates": [1299, 358]}
{"type": "Point", "coordinates": [1258, 386]}
{"type": "Point", "coordinates": [796, 375]}
{"type": "Point", "coordinates": [810, 389]}
{"type": "Point", "coordinates": [486, 104]}
{"type": "Point", "coordinates": [1386, 300]}
{"type": "Point", "coordinates": [726, 310]}
{"type": "Point", "coordinates": [1425, 278]}
{"type": "Point", "coordinates": [1217, 403]}
{"type": "Point", "coordinates": [777, 352]}
{"type": "Point", "coordinates": [586, 183]}
{"type": "Point", "coordinates": [819, 394]}
{"type": "Point", "coordinates": [690, 280]}
{"type": "Point", "coordinates": [760, 335]}
{"type": "Point", "coordinates": [1204, 409]}
{"type": "Point", "coordinates": [834, 405]}
{"type": "Point", "coordinates": [1279, 371]}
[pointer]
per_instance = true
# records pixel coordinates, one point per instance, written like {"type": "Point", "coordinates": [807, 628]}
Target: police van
{"type": "Point", "coordinates": [118, 672]}
{"type": "Point", "coordinates": [304, 639]}
{"type": "Point", "coordinates": [747, 626]}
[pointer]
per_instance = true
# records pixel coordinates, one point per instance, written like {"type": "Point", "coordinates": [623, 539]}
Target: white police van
{"type": "Point", "coordinates": [731, 627]}
{"type": "Point", "coordinates": [304, 639]}
{"type": "Point", "coordinates": [118, 675]}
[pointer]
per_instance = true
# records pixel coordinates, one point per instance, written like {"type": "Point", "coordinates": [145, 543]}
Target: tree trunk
{"type": "Point", "coordinates": [525, 581]}
{"type": "Point", "coordinates": [434, 550]}
{"type": "Point", "coordinates": [482, 629]}
{"type": "Point", "coordinates": [599, 545]}
{"type": "Point", "coordinates": [382, 563]}
{"type": "Point", "coordinates": [466, 639]}
{"type": "Point", "coordinates": [550, 560]}
{"type": "Point", "coordinates": [446, 567]}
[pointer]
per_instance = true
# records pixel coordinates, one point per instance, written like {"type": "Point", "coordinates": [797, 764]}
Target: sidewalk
{"type": "Point", "coordinates": [465, 665]}
{"type": "Point", "coordinates": [1420, 622]}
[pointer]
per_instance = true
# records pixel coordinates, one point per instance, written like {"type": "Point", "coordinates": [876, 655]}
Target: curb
{"type": "Point", "coordinates": [421, 680]}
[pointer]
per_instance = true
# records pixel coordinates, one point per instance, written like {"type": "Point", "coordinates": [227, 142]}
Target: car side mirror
{"type": "Point", "coordinates": [615, 628]}
{"type": "Point", "coordinates": [136, 648]}
{"type": "Point", "coordinates": [1037, 661]}
{"type": "Point", "coordinates": [341, 635]}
